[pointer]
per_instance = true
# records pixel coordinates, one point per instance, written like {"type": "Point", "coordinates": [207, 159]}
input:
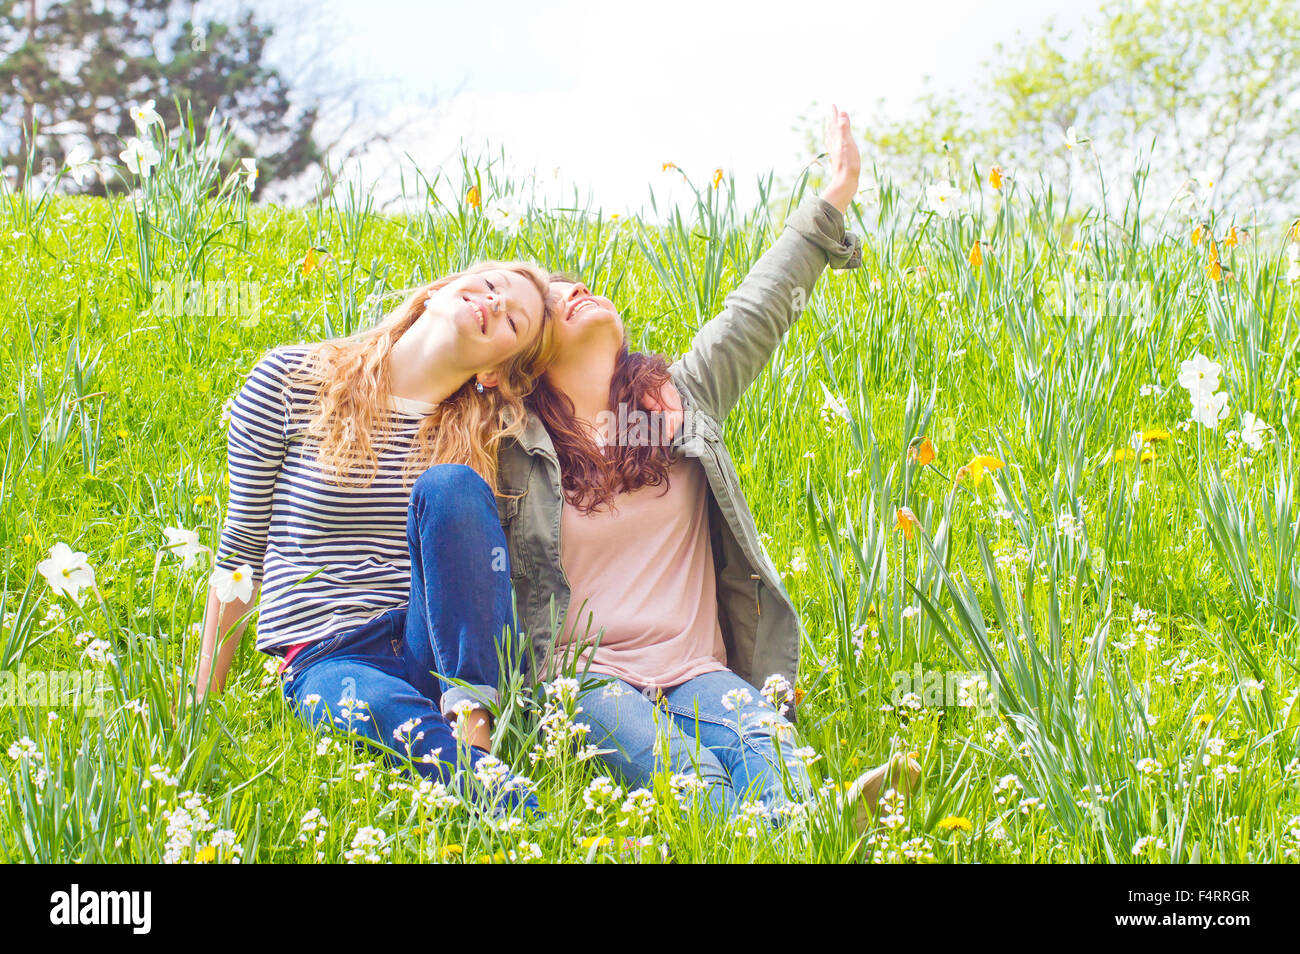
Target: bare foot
{"type": "Point", "coordinates": [902, 772]}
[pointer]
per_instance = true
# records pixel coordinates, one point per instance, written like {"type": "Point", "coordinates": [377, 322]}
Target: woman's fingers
{"type": "Point", "coordinates": [838, 136]}
{"type": "Point", "coordinates": [844, 161]}
{"type": "Point", "coordinates": [667, 401]}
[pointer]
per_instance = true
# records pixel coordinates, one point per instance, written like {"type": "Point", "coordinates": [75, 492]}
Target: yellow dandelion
{"type": "Point", "coordinates": [955, 823]}
{"type": "Point", "coordinates": [1155, 434]}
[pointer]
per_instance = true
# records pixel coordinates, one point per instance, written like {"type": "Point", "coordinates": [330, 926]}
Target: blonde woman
{"type": "Point", "coordinates": [362, 511]}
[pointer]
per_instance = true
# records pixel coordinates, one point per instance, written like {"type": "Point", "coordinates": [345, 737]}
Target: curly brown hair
{"type": "Point", "coordinates": [589, 478]}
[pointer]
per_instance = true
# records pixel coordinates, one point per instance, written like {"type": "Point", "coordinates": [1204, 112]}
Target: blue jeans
{"type": "Point", "coordinates": [390, 679]}
{"type": "Point", "coordinates": [736, 755]}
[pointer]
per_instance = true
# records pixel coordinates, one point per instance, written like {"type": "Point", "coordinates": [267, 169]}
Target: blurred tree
{"type": "Point", "coordinates": [77, 66]}
{"type": "Point", "coordinates": [1194, 88]}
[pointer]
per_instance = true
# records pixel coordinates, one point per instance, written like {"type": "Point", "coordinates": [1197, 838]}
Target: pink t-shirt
{"type": "Point", "coordinates": [646, 573]}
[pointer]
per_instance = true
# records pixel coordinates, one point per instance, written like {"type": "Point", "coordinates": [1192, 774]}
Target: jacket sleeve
{"type": "Point", "coordinates": [255, 450]}
{"type": "Point", "coordinates": [731, 349]}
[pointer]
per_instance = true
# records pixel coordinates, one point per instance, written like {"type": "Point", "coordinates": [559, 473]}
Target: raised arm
{"type": "Point", "coordinates": [731, 349]}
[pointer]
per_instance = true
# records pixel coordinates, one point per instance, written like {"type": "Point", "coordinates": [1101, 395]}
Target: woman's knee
{"type": "Point", "coordinates": [452, 500]}
{"type": "Point", "coordinates": [450, 482]}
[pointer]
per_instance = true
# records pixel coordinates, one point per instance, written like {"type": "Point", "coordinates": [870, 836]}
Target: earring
{"type": "Point", "coordinates": [478, 386]}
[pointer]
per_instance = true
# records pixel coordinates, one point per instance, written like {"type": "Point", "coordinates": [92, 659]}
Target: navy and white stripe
{"type": "Point", "coordinates": [288, 523]}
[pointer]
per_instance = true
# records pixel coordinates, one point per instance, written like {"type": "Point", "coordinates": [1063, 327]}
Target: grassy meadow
{"type": "Point", "coordinates": [942, 455]}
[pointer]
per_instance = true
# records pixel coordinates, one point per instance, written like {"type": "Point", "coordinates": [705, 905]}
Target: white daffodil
{"type": "Point", "coordinates": [1071, 138]}
{"type": "Point", "coordinates": [81, 163]}
{"type": "Point", "coordinates": [1205, 181]}
{"type": "Point", "coordinates": [1253, 431]}
{"type": "Point", "coordinates": [942, 198]}
{"type": "Point", "coordinates": [185, 544]}
{"type": "Point", "coordinates": [145, 116]}
{"type": "Point", "coordinates": [1209, 409]}
{"type": "Point", "coordinates": [505, 216]}
{"type": "Point", "coordinates": [1293, 263]}
{"type": "Point", "coordinates": [140, 157]}
{"type": "Point", "coordinates": [1199, 374]}
{"type": "Point", "coordinates": [250, 173]}
{"type": "Point", "coordinates": [67, 571]}
{"type": "Point", "coordinates": [236, 584]}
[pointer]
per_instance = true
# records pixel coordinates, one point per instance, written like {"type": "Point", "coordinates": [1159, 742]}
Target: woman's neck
{"type": "Point", "coordinates": [421, 365]}
{"type": "Point", "coordinates": [587, 385]}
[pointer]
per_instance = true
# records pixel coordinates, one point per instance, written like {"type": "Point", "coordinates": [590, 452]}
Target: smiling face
{"type": "Point", "coordinates": [492, 315]}
{"type": "Point", "coordinates": [585, 323]}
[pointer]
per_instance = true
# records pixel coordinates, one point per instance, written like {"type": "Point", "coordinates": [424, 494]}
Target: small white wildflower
{"type": "Point", "coordinates": [735, 699]}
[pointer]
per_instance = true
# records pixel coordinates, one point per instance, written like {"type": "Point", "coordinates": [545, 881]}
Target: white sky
{"type": "Point", "coordinates": [608, 92]}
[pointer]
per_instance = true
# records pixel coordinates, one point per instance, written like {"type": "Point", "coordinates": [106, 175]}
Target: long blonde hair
{"type": "Point", "coordinates": [351, 377]}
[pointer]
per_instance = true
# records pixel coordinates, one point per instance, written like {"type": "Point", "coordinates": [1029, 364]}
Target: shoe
{"type": "Point", "coordinates": [902, 772]}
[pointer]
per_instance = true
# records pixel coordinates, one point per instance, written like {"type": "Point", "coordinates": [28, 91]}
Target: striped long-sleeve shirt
{"type": "Point", "coordinates": [288, 523]}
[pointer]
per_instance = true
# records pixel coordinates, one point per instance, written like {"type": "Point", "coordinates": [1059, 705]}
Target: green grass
{"type": "Point", "coordinates": [1140, 616]}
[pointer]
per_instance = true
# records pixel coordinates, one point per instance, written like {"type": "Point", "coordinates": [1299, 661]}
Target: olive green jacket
{"type": "Point", "coordinates": [760, 627]}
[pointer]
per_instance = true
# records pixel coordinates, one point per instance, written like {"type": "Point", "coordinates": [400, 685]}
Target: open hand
{"type": "Point", "coordinates": [845, 161]}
